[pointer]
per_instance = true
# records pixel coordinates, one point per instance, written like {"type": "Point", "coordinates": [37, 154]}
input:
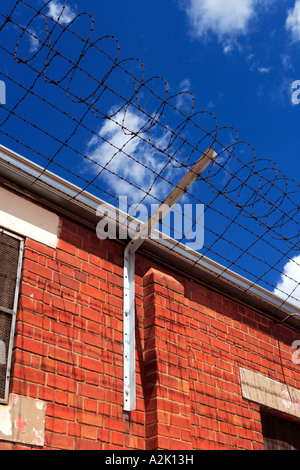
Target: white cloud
{"type": "Point", "coordinates": [287, 62]}
{"type": "Point", "coordinates": [131, 163]}
{"type": "Point", "coordinates": [255, 65]}
{"type": "Point", "coordinates": [184, 99]}
{"type": "Point", "coordinates": [227, 19]}
{"type": "Point", "coordinates": [288, 288]}
{"type": "Point", "coordinates": [58, 12]}
{"type": "Point", "coordinates": [264, 69]}
{"type": "Point", "coordinates": [219, 16]}
{"type": "Point", "coordinates": [34, 42]}
{"type": "Point", "coordinates": [293, 21]}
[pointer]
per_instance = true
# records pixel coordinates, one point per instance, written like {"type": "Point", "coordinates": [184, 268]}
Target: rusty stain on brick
{"type": "Point", "coordinates": [23, 420]}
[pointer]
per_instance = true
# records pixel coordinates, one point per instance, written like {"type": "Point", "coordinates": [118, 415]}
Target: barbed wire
{"type": "Point", "coordinates": [120, 132]}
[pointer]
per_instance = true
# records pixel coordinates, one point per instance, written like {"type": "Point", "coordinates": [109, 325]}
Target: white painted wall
{"type": "Point", "coordinates": [27, 219]}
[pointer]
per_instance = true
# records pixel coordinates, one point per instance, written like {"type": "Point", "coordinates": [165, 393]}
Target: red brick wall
{"type": "Point", "coordinates": [198, 341]}
{"type": "Point", "coordinates": [190, 344]}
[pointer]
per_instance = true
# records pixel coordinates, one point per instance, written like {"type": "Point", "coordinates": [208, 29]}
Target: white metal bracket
{"type": "Point", "coordinates": [129, 331]}
{"type": "Point", "coordinates": [129, 273]}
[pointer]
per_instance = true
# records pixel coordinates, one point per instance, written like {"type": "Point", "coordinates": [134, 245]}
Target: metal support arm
{"type": "Point", "coordinates": [129, 272]}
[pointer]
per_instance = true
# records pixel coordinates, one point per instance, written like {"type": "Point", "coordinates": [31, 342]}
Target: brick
{"type": "Point", "coordinates": [66, 281]}
{"type": "Point", "coordinates": [85, 444]}
{"type": "Point", "coordinates": [134, 442]}
{"type": "Point", "coordinates": [32, 255]}
{"type": "Point", "coordinates": [180, 445]}
{"type": "Point", "coordinates": [94, 271]}
{"type": "Point", "coordinates": [81, 277]}
{"type": "Point", "coordinates": [117, 438]}
{"type": "Point", "coordinates": [64, 369]}
{"type": "Point", "coordinates": [30, 345]}
{"type": "Point", "coordinates": [29, 374]}
{"type": "Point", "coordinates": [48, 365]}
{"type": "Point", "coordinates": [228, 429]}
{"type": "Point", "coordinates": [62, 383]}
{"type": "Point", "coordinates": [64, 328]}
{"type": "Point", "coordinates": [179, 421]}
{"type": "Point", "coordinates": [114, 397]}
{"type": "Point", "coordinates": [114, 279]}
{"type": "Point", "coordinates": [39, 247]}
{"type": "Point", "coordinates": [27, 303]}
{"type": "Point", "coordinates": [6, 446]}
{"type": "Point", "coordinates": [91, 391]}
{"type": "Point", "coordinates": [89, 432]}
{"type": "Point", "coordinates": [93, 292]}
{"type": "Point", "coordinates": [90, 405]}
{"type": "Point", "coordinates": [46, 394]}
{"type": "Point", "coordinates": [115, 301]}
{"type": "Point", "coordinates": [74, 429]}
{"type": "Point", "coordinates": [53, 288]}
{"type": "Point", "coordinates": [91, 364]}
{"type": "Point", "coordinates": [104, 435]}
{"type": "Point", "coordinates": [36, 268]}
{"type": "Point", "coordinates": [24, 330]}
{"type": "Point", "coordinates": [93, 419]}
{"type": "Point", "coordinates": [92, 339]}
{"type": "Point", "coordinates": [152, 444]}
{"type": "Point", "coordinates": [66, 258]}
{"type": "Point", "coordinates": [95, 248]}
{"type": "Point", "coordinates": [82, 254]}
{"type": "Point", "coordinates": [62, 355]}
{"type": "Point", "coordinates": [57, 441]}
{"type": "Point", "coordinates": [69, 226]}
{"type": "Point", "coordinates": [114, 371]}
{"type": "Point", "coordinates": [61, 411]}
{"type": "Point", "coordinates": [30, 278]}
{"type": "Point", "coordinates": [68, 271]}
{"type": "Point", "coordinates": [33, 319]}
{"type": "Point", "coordinates": [94, 282]}
{"type": "Point", "coordinates": [158, 278]}
{"type": "Point", "coordinates": [65, 305]}
{"type": "Point", "coordinates": [66, 246]}
{"type": "Point", "coordinates": [20, 387]}
{"type": "Point", "coordinates": [116, 424]}
{"type": "Point", "coordinates": [58, 426]}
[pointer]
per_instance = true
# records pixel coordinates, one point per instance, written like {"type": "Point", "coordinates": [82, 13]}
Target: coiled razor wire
{"type": "Point", "coordinates": [76, 107]}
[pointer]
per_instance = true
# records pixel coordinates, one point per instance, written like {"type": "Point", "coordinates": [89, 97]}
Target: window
{"type": "Point", "coordinates": [11, 251]}
{"type": "Point", "coordinates": [280, 434]}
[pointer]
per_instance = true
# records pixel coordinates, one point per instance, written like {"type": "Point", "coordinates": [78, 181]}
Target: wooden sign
{"type": "Point", "coordinates": [270, 393]}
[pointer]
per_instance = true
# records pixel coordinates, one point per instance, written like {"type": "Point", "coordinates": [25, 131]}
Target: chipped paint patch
{"type": "Point", "coordinates": [5, 422]}
{"type": "Point", "coordinates": [23, 420]}
{"type": "Point", "coordinates": [21, 424]}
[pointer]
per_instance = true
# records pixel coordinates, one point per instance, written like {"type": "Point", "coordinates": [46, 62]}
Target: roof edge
{"type": "Point", "coordinates": [68, 199]}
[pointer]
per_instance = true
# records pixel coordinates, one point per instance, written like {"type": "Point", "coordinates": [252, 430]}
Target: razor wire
{"type": "Point", "coordinates": [109, 128]}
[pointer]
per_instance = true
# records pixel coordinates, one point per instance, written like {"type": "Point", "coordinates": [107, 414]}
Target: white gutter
{"type": "Point", "coordinates": [19, 174]}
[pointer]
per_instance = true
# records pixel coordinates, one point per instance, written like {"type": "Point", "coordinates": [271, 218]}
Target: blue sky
{"type": "Point", "coordinates": [238, 57]}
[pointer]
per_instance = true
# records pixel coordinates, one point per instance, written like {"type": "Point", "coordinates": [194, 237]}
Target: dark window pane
{"type": "Point", "coordinates": [9, 258]}
{"type": "Point", "coordinates": [5, 328]}
{"type": "Point", "coordinates": [280, 434]}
